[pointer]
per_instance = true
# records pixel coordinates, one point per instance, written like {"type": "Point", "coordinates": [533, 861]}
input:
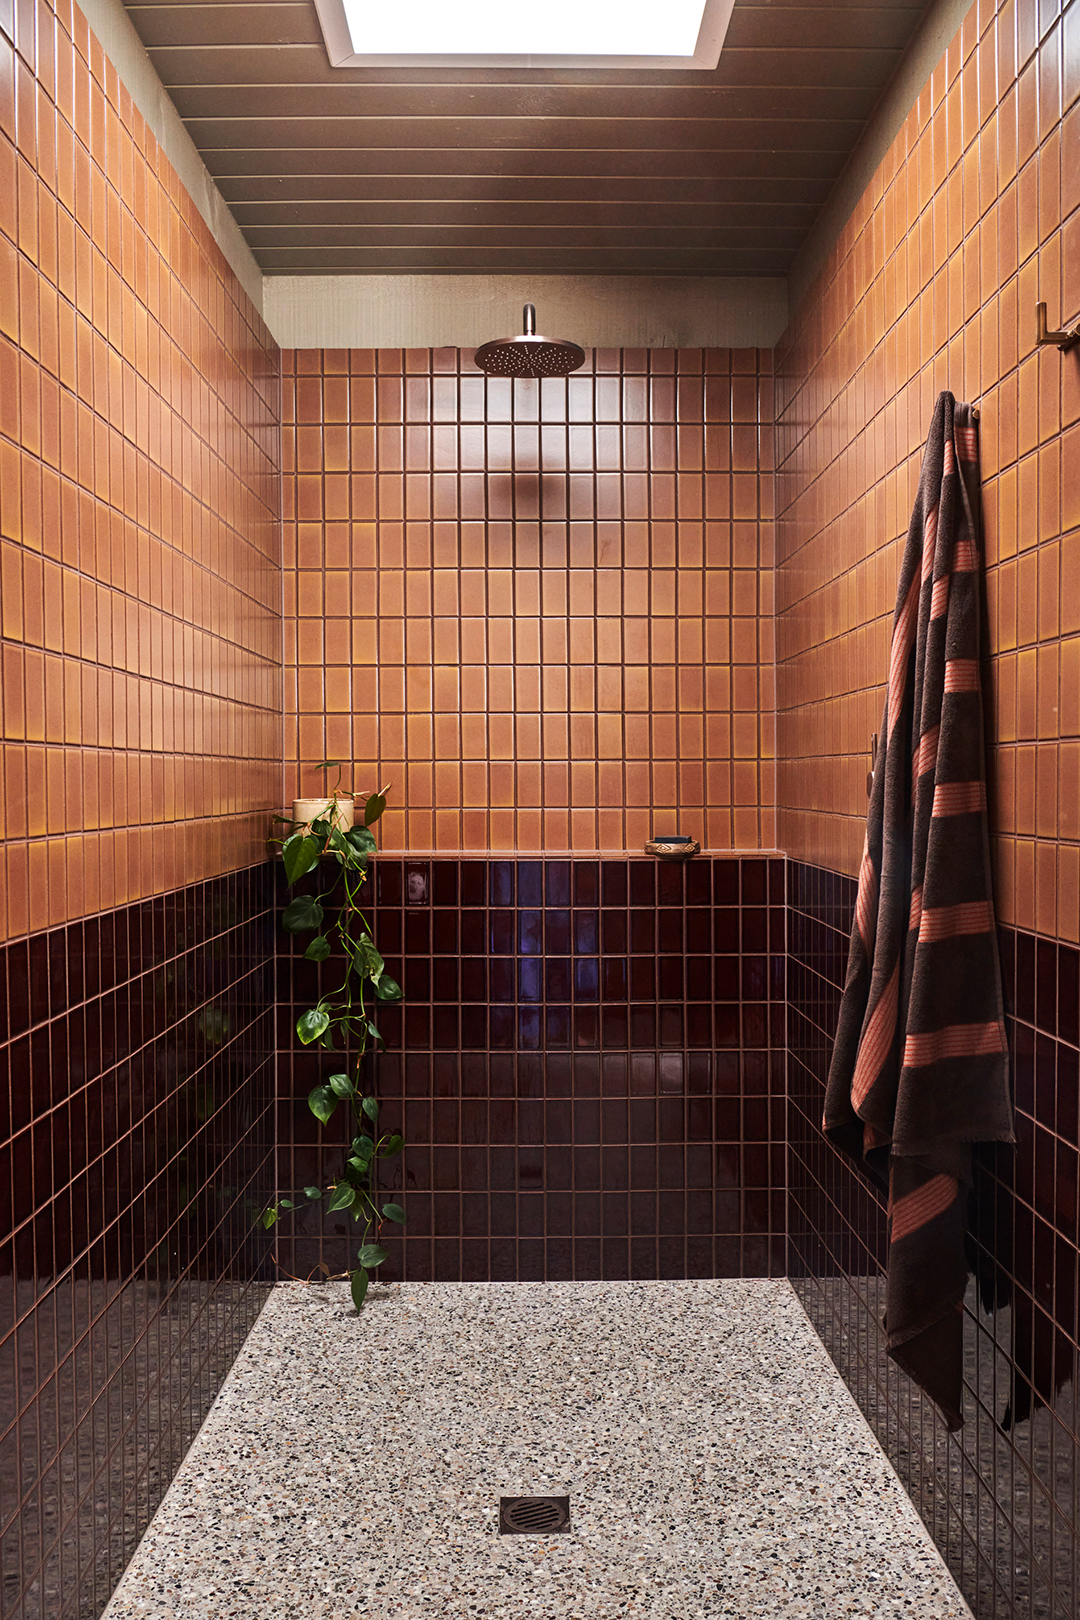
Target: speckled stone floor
{"type": "Point", "coordinates": [351, 1468]}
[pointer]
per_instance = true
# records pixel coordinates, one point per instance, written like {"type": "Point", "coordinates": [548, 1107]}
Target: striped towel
{"type": "Point", "coordinates": [920, 1068]}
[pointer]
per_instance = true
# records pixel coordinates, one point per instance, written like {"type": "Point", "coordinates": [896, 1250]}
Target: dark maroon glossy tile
{"type": "Point", "coordinates": [558, 935]}
{"type": "Point", "coordinates": [530, 883]}
{"type": "Point", "coordinates": [444, 883]}
{"type": "Point", "coordinates": [97, 1132]}
{"type": "Point", "coordinates": [389, 881]}
{"type": "Point", "coordinates": [1025, 976]}
{"type": "Point", "coordinates": [473, 881]}
{"type": "Point", "coordinates": [1068, 1095]}
{"type": "Point", "coordinates": [643, 883]}
{"type": "Point", "coordinates": [614, 883]}
{"type": "Point", "coordinates": [643, 932]}
{"type": "Point", "coordinates": [1068, 995]}
{"type": "Point", "coordinates": [501, 883]}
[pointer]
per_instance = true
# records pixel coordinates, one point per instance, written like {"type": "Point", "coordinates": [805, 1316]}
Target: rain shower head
{"type": "Point", "coordinates": [529, 355]}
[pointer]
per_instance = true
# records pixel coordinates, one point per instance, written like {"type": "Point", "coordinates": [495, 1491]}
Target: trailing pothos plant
{"type": "Point", "coordinates": [344, 1013]}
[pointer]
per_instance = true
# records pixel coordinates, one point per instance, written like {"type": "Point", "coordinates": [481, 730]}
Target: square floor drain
{"type": "Point", "coordinates": [534, 1515]}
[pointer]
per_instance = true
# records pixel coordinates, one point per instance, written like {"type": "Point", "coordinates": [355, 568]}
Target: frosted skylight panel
{"type": "Point", "coordinates": [558, 33]}
{"type": "Point", "coordinates": [556, 28]}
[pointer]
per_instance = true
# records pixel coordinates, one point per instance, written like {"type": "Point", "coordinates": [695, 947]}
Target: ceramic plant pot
{"type": "Point", "coordinates": [305, 811]}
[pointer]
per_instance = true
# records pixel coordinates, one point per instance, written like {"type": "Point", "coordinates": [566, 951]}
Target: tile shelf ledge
{"type": "Point", "coordinates": [568, 854]}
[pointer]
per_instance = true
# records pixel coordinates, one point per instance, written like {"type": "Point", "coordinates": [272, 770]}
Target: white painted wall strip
{"type": "Point", "coordinates": [420, 312]}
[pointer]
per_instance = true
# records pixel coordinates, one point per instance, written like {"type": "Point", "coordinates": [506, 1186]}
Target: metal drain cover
{"type": "Point", "coordinates": [534, 1515]}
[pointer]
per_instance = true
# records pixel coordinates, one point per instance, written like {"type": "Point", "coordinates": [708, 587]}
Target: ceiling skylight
{"type": "Point", "coordinates": [558, 33]}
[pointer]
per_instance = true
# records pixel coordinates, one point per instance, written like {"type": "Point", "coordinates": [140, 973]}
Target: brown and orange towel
{"type": "Point", "coordinates": [920, 1068]}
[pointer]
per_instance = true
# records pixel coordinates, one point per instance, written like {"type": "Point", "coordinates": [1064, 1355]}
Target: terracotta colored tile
{"type": "Point", "coordinates": [1069, 712]}
{"type": "Point", "coordinates": [1068, 813]}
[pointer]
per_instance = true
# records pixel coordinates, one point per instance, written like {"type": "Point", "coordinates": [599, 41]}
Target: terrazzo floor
{"type": "Point", "coordinates": [351, 1468]}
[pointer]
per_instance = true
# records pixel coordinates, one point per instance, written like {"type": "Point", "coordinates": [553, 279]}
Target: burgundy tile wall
{"type": "Point", "coordinates": [1001, 1505]}
{"type": "Point", "coordinates": [588, 1068]}
{"type": "Point", "coordinates": [136, 1089]}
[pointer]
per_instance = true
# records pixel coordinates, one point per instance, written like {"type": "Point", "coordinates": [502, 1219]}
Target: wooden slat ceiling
{"type": "Point", "coordinates": [335, 170]}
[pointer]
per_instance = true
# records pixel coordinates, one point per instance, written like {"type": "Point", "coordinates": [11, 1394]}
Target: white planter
{"type": "Point", "coordinates": [305, 811]}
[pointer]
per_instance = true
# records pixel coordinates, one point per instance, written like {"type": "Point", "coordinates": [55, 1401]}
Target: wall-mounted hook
{"type": "Point", "coordinates": [873, 765]}
{"type": "Point", "coordinates": [1064, 340]}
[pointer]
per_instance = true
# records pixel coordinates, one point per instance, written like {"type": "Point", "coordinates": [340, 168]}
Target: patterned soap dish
{"type": "Point", "coordinates": [673, 847]}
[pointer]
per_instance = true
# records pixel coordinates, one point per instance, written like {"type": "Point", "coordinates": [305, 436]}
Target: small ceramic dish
{"type": "Point", "coordinates": [673, 847]}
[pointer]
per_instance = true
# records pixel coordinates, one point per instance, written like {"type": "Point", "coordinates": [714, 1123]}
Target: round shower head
{"type": "Point", "coordinates": [529, 355]}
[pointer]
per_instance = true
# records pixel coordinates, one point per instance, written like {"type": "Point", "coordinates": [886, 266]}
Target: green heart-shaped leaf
{"type": "Point", "coordinates": [373, 1254]}
{"type": "Point", "coordinates": [370, 958]}
{"type": "Point", "coordinates": [343, 1196]}
{"type": "Point", "coordinates": [341, 1085]}
{"type": "Point", "coordinates": [300, 854]}
{"type": "Point", "coordinates": [359, 1281]}
{"type": "Point", "coordinates": [322, 1103]}
{"type": "Point", "coordinates": [374, 808]}
{"type": "Point", "coordinates": [311, 1024]}
{"type": "Point", "coordinates": [394, 1212]}
{"type": "Point", "coordinates": [387, 989]}
{"type": "Point", "coordinates": [370, 1105]}
{"type": "Point", "coordinates": [302, 914]}
{"type": "Point", "coordinates": [318, 950]}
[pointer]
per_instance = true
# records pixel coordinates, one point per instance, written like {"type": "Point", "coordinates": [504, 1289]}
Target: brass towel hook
{"type": "Point", "coordinates": [1064, 340]}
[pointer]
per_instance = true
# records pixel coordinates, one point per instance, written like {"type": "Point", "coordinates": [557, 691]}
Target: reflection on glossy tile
{"type": "Point", "coordinates": [568, 1113]}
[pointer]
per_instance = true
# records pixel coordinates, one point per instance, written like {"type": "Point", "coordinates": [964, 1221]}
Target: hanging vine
{"type": "Point", "coordinates": [345, 1013]}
